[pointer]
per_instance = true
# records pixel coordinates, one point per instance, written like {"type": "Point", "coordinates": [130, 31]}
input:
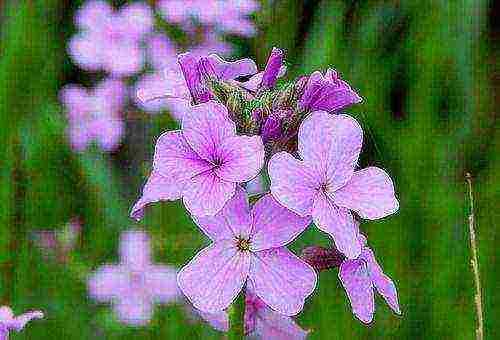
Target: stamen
{"type": "Point", "coordinates": [243, 244]}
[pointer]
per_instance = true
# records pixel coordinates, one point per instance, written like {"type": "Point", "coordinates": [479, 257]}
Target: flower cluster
{"type": "Point", "coordinates": [132, 49]}
{"type": "Point", "coordinates": [240, 124]}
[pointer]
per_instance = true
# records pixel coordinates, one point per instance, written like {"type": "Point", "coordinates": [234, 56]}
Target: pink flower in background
{"type": "Point", "coordinates": [135, 284]}
{"type": "Point", "coordinates": [327, 93]}
{"type": "Point", "coordinates": [324, 184]}
{"type": "Point", "coordinates": [9, 322]}
{"type": "Point", "coordinates": [95, 115]}
{"type": "Point", "coordinates": [202, 162]}
{"type": "Point", "coordinates": [226, 16]}
{"type": "Point", "coordinates": [360, 277]}
{"type": "Point", "coordinates": [261, 322]}
{"type": "Point", "coordinates": [249, 245]}
{"type": "Point", "coordinates": [110, 40]}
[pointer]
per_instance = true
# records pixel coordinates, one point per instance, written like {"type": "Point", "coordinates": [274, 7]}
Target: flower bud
{"type": "Point", "coordinates": [321, 258]}
{"type": "Point", "coordinates": [189, 67]}
{"type": "Point", "coordinates": [272, 69]}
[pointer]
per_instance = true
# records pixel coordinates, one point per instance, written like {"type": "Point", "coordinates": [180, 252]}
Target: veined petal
{"type": "Point", "coordinates": [108, 282]}
{"type": "Point", "coordinates": [339, 223]}
{"type": "Point", "coordinates": [175, 159]}
{"type": "Point", "coordinates": [214, 277]}
{"type": "Point", "coordinates": [357, 283]}
{"type": "Point", "coordinates": [206, 194]}
{"type": "Point", "coordinates": [293, 184]}
{"type": "Point", "coordinates": [232, 69]}
{"type": "Point", "coordinates": [369, 192]}
{"type": "Point", "coordinates": [273, 325]}
{"type": "Point", "coordinates": [282, 280]}
{"type": "Point", "coordinates": [242, 158]}
{"type": "Point", "coordinates": [274, 225]}
{"type": "Point", "coordinates": [382, 282]}
{"type": "Point", "coordinates": [232, 221]}
{"type": "Point", "coordinates": [331, 145]}
{"type": "Point", "coordinates": [205, 128]}
{"type": "Point", "coordinates": [157, 188]}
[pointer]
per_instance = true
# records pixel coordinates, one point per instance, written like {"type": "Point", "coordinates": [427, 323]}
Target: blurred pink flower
{"type": "Point", "coordinates": [58, 242]}
{"type": "Point", "coordinates": [9, 322]}
{"type": "Point", "coordinates": [261, 322]}
{"type": "Point", "coordinates": [227, 16]}
{"type": "Point", "coordinates": [94, 115]}
{"type": "Point", "coordinates": [110, 40]}
{"type": "Point", "coordinates": [135, 284]}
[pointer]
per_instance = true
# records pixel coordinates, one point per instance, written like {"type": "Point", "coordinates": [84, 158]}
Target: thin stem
{"type": "Point", "coordinates": [236, 317]}
{"type": "Point", "coordinates": [475, 264]}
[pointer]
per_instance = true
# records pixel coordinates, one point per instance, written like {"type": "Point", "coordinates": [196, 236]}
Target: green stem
{"type": "Point", "coordinates": [236, 318]}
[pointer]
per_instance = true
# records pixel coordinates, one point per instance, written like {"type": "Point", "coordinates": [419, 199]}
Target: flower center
{"type": "Point", "coordinates": [243, 244]}
{"type": "Point", "coordinates": [137, 279]}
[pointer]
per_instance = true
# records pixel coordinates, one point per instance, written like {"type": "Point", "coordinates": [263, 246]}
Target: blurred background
{"type": "Point", "coordinates": [428, 73]}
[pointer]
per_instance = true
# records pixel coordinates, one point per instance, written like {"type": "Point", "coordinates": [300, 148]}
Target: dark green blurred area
{"type": "Point", "coordinates": [429, 76]}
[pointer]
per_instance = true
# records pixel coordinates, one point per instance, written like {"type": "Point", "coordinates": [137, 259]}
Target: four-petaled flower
{"type": "Point", "coordinates": [261, 322]}
{"type": "Point", "coordinates": [135, 284]}
{"type": "Point", "coordinates": [9, 322]}
{"type": "Point", "coordinates": [360, 277]}
{"type": "Point", "coordinates": [324, 184]}
{"type": "Point", "coordinates": [249, 245]}
{"type": "Point", "coordinates": [110, 40]}
{"type": "Point", "coordinates": [94, 115]}
{"type": "Point", "coordinates": [327, 93]}
{"type": "Point", "coordinates": [201, 163]}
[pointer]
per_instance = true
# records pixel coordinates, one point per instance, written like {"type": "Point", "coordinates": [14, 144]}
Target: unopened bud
{"type": "Point", "coordinates": [272, 69]}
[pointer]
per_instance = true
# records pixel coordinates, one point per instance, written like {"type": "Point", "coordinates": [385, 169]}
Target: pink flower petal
{"type": "Point", "coordinates": [232, 221]}
{"type": "Point", "coordinates": [206, 194]}
{"type": "Point", "coordinates": [213, 279]}
{"type": "Point", "coordinates": [331, 145]}
{"type": "Point", "coordinates": [232, 69]}
{"type": "Point", "coordinates": [109, 96]}
{"type": "Point", "coordinates": [354, 277]}
{"type": "Point", "coordinates": [339, 223]}
{"type": "Point", "coordinates": [370, 193]}
{"type": "Point", "coordinates": [161, 283]}
{"type": "Point", "coordinates": [382, 282]}
{"type": "Point", "coordinates": [20, 321]}
{"type": "Point", "coordinates": [157, 188]}
{"type": "Point", "coordinates": [76, 99]}
{"type": "Point", "coordinates": [293, 183]}
{"type": "Point", "coordinates": [109, 132]}
{"type": "Point", "coordinates": [123, 59]}
{"type": "Point", "coordinates": [86, 51]}
{"type": "Point", "coordinates": [135, 310]}
{"type": "Point", "coordinates": [272, 325]}
{"type": "Point", "coordinates": [218, 321]}
{"type": "Point", "coordinates": [282, 280]}
{"type": "Point", "coordinates": [108, 282]}
{"type": "Point", "coordinates": [137, 19]}
{"type": "Point", "coordinates": [93, 15]}
{"type": "Point", "coordinates": [135, 250]}
{"type": "Point", "coordinates": [274, 225]}
{"type": "Point", "coordinates": [175, 159]}
{"type": "Point", "coordinates": [206, 126]}
{"type": "Point", "coordinates": [242, 158]}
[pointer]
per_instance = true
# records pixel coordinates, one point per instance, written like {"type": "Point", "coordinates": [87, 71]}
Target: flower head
{"type": "Point", "coordinates": [360, 277]}
{"type": "Point", "coordinates": [327, 93]}
{"type": "Point", "coordinates": [94, 115]}
{"type": "Point", "coordinates": [249, 245]}
{"type": "Point", "coordinates": [110, 40]}
{"type": "Point", "coordinates": [261, 322]}
{"type": "Point", "coordinates": [324, 184]}
{"type": "Point", "coordinates": [9, 322]}
{"type": "Point", "coordinates": [135, 284]}
{"type": "Point", "coordinates": [201, 163]}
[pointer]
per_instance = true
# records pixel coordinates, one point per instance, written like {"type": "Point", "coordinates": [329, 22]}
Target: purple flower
{"type": "Point", "coordinates": [94, 115]}
{"type": "Point", "coordinates": [201, 163]}
{"type": "Point", "coordinates": [360, 277]}
{"type": "Point", "coordinates": [9, 322]}
{"type": "Point", "coordinates": [249, 245]}
{"type": "Point", "coordinates": [135, 284]}
{"type": "Point", "coordinates": [324, 184]}
{"type": "Point", "coordinates": [110, 40]}
{"type": "Point", "coordinates": [327, 93]}
{"type": "Point", "coordinates": [261, 322]}
{"type": "Point", "coordinates": [274, 64]}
